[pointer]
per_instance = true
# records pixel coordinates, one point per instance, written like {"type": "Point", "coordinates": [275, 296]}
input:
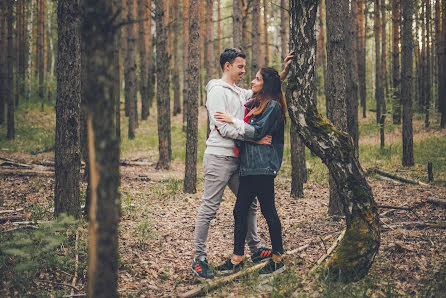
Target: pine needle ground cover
{"type": "Point", "coordinates": [157, 221]}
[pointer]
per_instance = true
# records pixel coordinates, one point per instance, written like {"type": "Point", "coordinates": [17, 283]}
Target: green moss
{"type": "Point", "coordinates": [351, 261]}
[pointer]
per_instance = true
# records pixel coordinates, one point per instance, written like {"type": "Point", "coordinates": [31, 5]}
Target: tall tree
{"type": "Point", "coordinates": [337, 13]}
{"type": "Point", "coordinates": [209, 41]}
{"type": "Point", "coordinates": [265, 31]}
{"type": "Point", "coordinates": [379, 92]}
{"type": "Point", "coordinates": [256, 57]}
{"type": "Point", "coordinates": [41, 47]}
{"type": "Point", "coordinates": [356, 252]}
{"type": "Point", "coordinates": [352, 76]}
{"type": "Point", "coordinates": [10, 85]}
{"type": "Point", "coordinates": [176, 66]}
{"type": "Point", "coordinates": [406, 81]}
{"type": "Point", "coordinates": [237, 25]}
{"type": "Point", "coordinates": [321, 57]}
{"type": "Point", "coordinates": [3, 60]}
{"type": "Point", "coordinates": [142, 47]}
{"type": "Point", "coordinates": [99, 27]}
{"type": "Point", "coordinates": [219, 37]}
{"type": "Point", "coordinates": [427, 102]}
{"type": "Point", "coordinates": [396, 98]}
{"type": "Point", "coordinates": [67, 144]}
{"type": "Point", "coordinates": [117, 7]}
{"type": "Point", "coordinates": [130, 71]}
{"type": "Point", "coordinates": [185, 60]}
{"type": "Point", "coordinates": [361, 55]}
{"type": "Point", "coordinates": [284, 25]}
{"type": "Point", "coordinates": [384, 46]}
{"type": "Point", "coordinates": [190, 173]}
{"type": "Point", "coordinates": [18, 47]}
{"type": "Point", "coordinates": [442, 68]}
{"type": "Point", "coordinates": [163, 84]}
{"type": "Point", "coordinates": [436, 60]}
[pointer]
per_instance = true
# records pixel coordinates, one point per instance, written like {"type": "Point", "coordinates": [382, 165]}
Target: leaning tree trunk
{"type": "Point", "coordinates": [99, 29]}
{"type": "Point", "coordinates": [67, 147]}
{"type": "Point", "coordinates": [356, 252]}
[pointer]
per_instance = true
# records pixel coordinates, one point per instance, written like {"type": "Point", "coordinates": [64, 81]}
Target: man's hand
{"type": "Point", "coordinates": [287, 63]}
{"type": "Point", "coordinates": [266, 140]}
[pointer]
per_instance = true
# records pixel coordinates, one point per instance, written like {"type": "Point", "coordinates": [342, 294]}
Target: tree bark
{"type": "Point", "coordinates": [265, 30]}
{"type": "Point", "coordinates": [185, 60]}
{"type": "Point", "coordinates": [150, 55]}
{"type": "Point", "coordinates": [442, 68]}
{"type": "Point", "coordinates": [163, 84]}
{"type": "Point", "coordinates": [10, 87]}
{"type": "Point", "coordinates": [337, 13]}
{"type": "Point", "coordinates": [117, 8]}
{"type": "Point", "coordinates": [384, 49]}
{"type": "Point", "coordinates": [143, 81]}
{"type": "Point", "coordinates": [355, 254]}
{"type": "Point", "coordinates": [176, 68]}
{"type": "Point", "coordinates": [256, 58]}
{"type": "Point", "coordinates": [396, 98]}
{"type": "Point", "coordinates": [298, 164]}
{"type": "Point", "coordinates": [361, 56]}
{"type": "Point", "coordinates": [209, 42]}
{"type": "Point", "coordinates": [67, 144]}
{"type": "Point", "coordinates": [379, 92]}
{"type": "Point", "coordinates": [406, 81]}
{"type": "Point", "coordinates": [41, 47]}
{"type": "Point", "coordinates": [284, 25]}
{"type": "Point", "coordinates": [237, 25]}
{"type": "Point", "coordinates": [190, 173]}
{"type": "Point", "coordinates": [130, 71]}
{"type": "Point", "coordinates": [98, 28]}
{"type": "Point", "coordinates": [3, 60]}
{"type": "Point", "coordinates": [219, 37]}
{"type": "Point", "coordinates": [427, 102]}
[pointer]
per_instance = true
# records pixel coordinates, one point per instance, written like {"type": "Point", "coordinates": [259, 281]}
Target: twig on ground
{"type": "Point", "coordinates": [396, 177]}
{"type": "Point", "coordinates": [437, 201]}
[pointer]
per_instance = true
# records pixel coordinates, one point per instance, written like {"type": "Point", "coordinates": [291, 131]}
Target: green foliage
{"type": "Point", "coordinates": [24, 254]}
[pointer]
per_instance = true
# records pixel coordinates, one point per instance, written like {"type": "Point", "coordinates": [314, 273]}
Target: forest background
{"type": "Point", "coordinates": [159, 146]}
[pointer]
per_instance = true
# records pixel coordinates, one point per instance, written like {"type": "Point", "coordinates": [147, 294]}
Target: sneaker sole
{"type": "Point", "coordinates": [280, 270]}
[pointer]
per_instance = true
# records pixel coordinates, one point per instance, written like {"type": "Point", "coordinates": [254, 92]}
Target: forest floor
{"type": "Point", "coordinates": [157, 224]}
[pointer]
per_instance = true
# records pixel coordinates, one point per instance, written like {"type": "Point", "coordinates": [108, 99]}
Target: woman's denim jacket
{"type": "Point", "coordinates": [258, 159]}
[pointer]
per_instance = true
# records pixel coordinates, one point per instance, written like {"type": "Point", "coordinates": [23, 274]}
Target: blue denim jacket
{"type": "Point", "coordinates": [258, 159]}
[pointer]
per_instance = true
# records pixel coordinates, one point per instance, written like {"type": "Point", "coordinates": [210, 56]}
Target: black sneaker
{"type": "Point", "coordinates": [272, 267]}
{"type": "Point", "coordinates": [228, 268]}
{"type": "Point", "coordinates": [201, 269]}
{"type": "Point", "coordinates": [261, 254]}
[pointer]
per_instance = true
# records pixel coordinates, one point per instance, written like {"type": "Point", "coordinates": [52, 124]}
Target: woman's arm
{"type": "Point", "coordinates": [286, 67]}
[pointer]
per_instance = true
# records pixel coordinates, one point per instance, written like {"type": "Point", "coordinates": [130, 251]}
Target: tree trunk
{"type": "Point", "coordinates": [185, 60]}
{"type": "Point", "coordinates": [237, 25]}
{"type": "Point", "coordinates": [337, 13]}
{"type": "Point", "coordinates": [298, 164]}
{"type": "Point", "coordinates": [124, 36]}
{"type": "Point", "coordinates": [97, 28]}
{"type": "Point", "coordinates": [18, 48]}
{"type": "Point", "coordinates": [284, 25]}
{"type": "Point", "coordinates": [396, 99]}
{"type": "Point", "coordinates": [265, 30]}
{"type": "Point", "coordinates": [379, 92]}
{"type": "Point", "coordinates": [176, 66]}
{"type": "Point", "coordinates": [247, 37]}
{"type": "Point", "coordinates": [3, 60]}
{"type": "Point", "coordinates": [41, 47]}
{"type": "Point", "coordinates": [163, 84]}
{"type": "Point", "coordinates": [67, 144]}
{"type": "Point", "coordinates": [219, 37]}
{"type": "Point", "coordinates": [406, 81]}
{"type": "Point", "coordinates": [384, 50]}
{"type": "Point", "coordinates": [190, 173]}
{"type": "Point", "coordinates": [29, 33]}
{"type": "Point", "coordinates": [361, 56]}
{"type": "Point", "coordinates": [256, 58]}
{"type": "Point", "coordinates": [442, 68]}
{"type": "Point", "coordinates": [209, 57]}
{"type": "Point", "coordinates": [321, 53]}
{"type": "Point", "coordinates": [427, 102]}
{"type": "Point", "coordinates": [142, 47]}
{"type": "Point", "coordinates": [352, 75]}
{"type": "Point", "coordinates": [355, 254]}
{"type": "Point", "coordinates": [130, 71]}
{"type": "Point", "coordinates": [117, 8]}
{"type": "Point", "coordinates": [150, 55]}
{"type": "Point", "coordinates": [10, 87]}
{"type": "Point", "coordinates": [422, 75]}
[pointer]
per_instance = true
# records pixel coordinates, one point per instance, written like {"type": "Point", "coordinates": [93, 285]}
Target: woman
{"type": "Point", "coordinates": [259, 165]}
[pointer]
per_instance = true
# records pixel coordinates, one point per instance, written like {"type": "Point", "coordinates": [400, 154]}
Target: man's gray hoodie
{"type": "Point", "coordinates": [222, 97]}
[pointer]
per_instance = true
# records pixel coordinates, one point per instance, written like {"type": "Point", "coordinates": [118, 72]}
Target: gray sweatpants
{"type": "Point", "coordinates": [220, 171]}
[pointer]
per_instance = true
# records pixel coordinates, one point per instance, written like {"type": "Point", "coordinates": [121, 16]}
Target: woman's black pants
{"type": "Point", "coordinates": [262, 187]}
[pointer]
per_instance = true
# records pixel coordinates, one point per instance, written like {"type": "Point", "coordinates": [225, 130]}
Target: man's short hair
{"type": "Point", "coordinates": [229, 55]}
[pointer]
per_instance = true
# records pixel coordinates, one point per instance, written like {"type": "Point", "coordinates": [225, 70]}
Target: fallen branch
{"type": "Point", "coordinates": [10, 218]}
{"type": "Point", "coordinates": [221, 281]}
{"type": "Point", "coordinates": [17, 172]}
{"type": "Point", "coordinates": [396, 177]}
{"type": "Point", "coordinates": [124, 162]}
{"type": "Point", "coordinates": [421, 225]}
{"type": "Point", "coordinates": [21, 227]}
{"type": "Point", "coordinates": [437, 201]}
{"type": "Point", "coordinates": [395, 207]}
{"type": "Point", "coordinates": [10, 211]}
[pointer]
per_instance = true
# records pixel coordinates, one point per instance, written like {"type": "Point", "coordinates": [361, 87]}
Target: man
{"type": "Point", "coordinates": [220, 160]}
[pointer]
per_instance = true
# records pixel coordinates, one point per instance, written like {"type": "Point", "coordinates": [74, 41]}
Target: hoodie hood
{"type": "Point", "coordinates": [219, 82]}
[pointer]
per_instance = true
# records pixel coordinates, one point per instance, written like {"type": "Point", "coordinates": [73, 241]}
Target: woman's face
{"type": "Point", "coordinates": [257, 83]}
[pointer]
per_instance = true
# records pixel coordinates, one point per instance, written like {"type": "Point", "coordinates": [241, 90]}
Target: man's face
{"type": "Point", "coordinates": [236, 70]}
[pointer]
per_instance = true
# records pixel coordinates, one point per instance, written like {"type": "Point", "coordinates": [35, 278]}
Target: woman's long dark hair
{"type": "Point", "coordinates": [271, 90]}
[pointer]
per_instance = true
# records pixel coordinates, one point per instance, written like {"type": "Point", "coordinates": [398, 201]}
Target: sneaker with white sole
{"type": "Point", "coordinates": [202, 269]}
{"type": "Point", "coordinates": [272, 267]}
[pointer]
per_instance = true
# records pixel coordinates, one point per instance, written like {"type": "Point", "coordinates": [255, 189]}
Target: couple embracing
{"type": "Point", "coordinates": [244, 151]}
